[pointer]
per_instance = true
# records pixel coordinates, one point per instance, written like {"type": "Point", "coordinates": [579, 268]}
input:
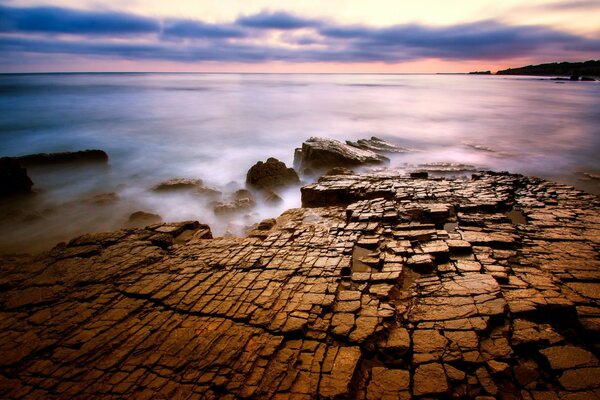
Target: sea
{"type": "Point", "coordinates": [214, 127]}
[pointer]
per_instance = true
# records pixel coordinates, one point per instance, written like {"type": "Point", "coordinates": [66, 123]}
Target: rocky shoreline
{"type": "Point", "coordinates": [381, 286]}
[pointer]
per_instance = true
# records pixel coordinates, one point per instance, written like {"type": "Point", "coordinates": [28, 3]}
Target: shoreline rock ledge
{"type": "Point", "coordinates": [400, 288]}
{"type": "Point", "coordinates": [322, 153]}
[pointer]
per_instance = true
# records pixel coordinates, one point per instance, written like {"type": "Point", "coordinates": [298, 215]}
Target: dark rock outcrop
{"type": "Point", "coordinates": [322, 153]}
{"type": "Point", "coordinates": [271, 174]}
{"type": "Point", "coordinates": [45, 159]}
{"type": "Point", "coordinates": [13, 177]}
{"type": "Point", "coordinates": [587, 68]}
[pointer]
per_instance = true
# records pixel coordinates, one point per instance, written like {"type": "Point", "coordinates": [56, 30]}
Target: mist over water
{"type": "Point", "coordinates": [214, 127]}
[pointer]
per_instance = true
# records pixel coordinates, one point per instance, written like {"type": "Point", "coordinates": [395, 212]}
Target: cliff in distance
{"type": "Point", "coordinates": [587, 68]}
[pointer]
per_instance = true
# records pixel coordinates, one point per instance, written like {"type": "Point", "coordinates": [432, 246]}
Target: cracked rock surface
{"type": "Point", "coordinates": [381, 287]}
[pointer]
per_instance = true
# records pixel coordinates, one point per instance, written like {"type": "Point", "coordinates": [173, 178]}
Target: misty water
{"type": "Point", "coordinates": [215, 126]}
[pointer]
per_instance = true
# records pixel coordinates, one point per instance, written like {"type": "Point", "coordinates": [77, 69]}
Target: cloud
{"type": "Point", "coordinates": [70, 21]}
{"type": "Point", "coordinates": [198, 29]}
{"type": "Point", "coordinates": [575, 5]}
{"type": "Point", "coordinates": [277, 20]}
{"type": "Point", "coordinates": [24, 32]}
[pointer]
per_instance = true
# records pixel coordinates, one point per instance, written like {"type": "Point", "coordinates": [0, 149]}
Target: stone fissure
{"type": "Point", "coordinates": [362, 295]}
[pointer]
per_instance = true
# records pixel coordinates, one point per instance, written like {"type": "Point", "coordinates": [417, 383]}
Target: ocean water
{"type": "Point", "coordinates": [215, 126]}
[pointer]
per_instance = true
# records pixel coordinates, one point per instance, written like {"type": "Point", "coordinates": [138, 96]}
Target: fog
{"type": "Point", "coordinates": [215, 127]}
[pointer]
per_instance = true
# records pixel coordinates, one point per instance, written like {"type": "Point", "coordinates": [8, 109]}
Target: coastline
{"type": "Point", "coordinates": [382, 285]}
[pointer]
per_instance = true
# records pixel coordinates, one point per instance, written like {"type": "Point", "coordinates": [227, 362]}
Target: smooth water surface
{"type": "Point", "coordinates": [215, 126]}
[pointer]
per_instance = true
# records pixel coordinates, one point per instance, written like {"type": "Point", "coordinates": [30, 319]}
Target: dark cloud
{"type": "Point", "coordinates": [481, 40]}
{"type": "Point", "coordinates": [197, 29]}
{"type": "Point", "coordinates": [64, 20]}
{"type": "Point", "coordinates": [277, 20]}
{"type": "Point", "coordinates": [240, 41]}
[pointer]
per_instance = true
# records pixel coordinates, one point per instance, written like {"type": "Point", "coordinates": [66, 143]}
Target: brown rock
{"type": "Point", "coordinates": [565, 357]}
{"type": "Point", "coordinates": [142, 218]}
{"type": "Point", "coordinates": [580, 378]}
{"type": "Point", "coordinates": [388, 384]}
{"type": "Point", "coordinates": [335, 383]}
{"type": "Point", "coordinates": [271, 174]}
{"type": "Point", "coordinates": [321, 153]}
{"type": "Point", "coordinates": [430, 379]}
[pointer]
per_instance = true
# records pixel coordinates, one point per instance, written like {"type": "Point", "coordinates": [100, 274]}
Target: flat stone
{"type": "Point", "coordinates": [430, 379]}
{"type": "Point", "coordinates": [566, 357]}
{"type": "Point", "coordinates": [580, 378]}
{"type": "Point", "coordinates": [336, 383]}
{"type": "Point", "coordinates": [389, 384]}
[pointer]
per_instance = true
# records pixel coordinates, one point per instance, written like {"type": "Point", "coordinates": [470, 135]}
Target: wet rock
{"type": "Point", "coordinates": [271, 174]}
{"type": "Point", "coordinates": [321, 153]}
{"type": "Point", "coordinates": [178, 184]}
{"type": "Point", "coordinates": [142, 218]}
{"type": "Point", "coordinates": [46, 159]}
{"type": "Point", "coordinates": [377, 145]}
{"type": "Point", "coordinates": [13, 178]}
{"type": "Point", "coordinates": [234, 206]}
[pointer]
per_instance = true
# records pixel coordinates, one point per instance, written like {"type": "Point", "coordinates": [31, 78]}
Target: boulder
{"type": "Point", "coordinates": [44, 159]}
{"type": "Point", "coordinates": [271, 174]}
{"type": "Point", "coordinates": [13, 177]}
{"type": "Point", "coordinates": [322, 153]}
{"type": "Point", "coordinates": [142, 219]}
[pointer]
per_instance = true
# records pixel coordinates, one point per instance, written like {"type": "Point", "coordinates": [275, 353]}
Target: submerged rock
{"type": "Point", "coordinates": [44, 159]}
{"type": "Point", "coordinates": [13, 178]}
{"type": "Point", "coordinates": [186, 184]}
{"type": "Point", "coordinates": [321, 153]}
{"type": "Point", "coordinates": [178, 184]}
{"type": "Point", "coordinates": [270, 197]}
{"type": "Point", "coordinates": [271, 174]}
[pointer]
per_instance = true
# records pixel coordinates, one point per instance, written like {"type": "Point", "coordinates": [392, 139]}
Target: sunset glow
{"type": "Point", "coordinates": [301, 36]}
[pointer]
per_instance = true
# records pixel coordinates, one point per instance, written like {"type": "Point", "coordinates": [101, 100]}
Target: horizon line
{"type": "Point", "coordinates": [236, 73]}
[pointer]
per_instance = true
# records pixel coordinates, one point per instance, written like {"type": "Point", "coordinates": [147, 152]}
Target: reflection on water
{"type": "Point", "coordinates": [214, 127]}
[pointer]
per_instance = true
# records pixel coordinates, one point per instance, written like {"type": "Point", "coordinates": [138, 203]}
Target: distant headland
{"type": "Point", "coordinates": [575, 70]}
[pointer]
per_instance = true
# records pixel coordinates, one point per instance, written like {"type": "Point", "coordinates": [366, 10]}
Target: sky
{"type": "Point", "coordinates": [370, 36]}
